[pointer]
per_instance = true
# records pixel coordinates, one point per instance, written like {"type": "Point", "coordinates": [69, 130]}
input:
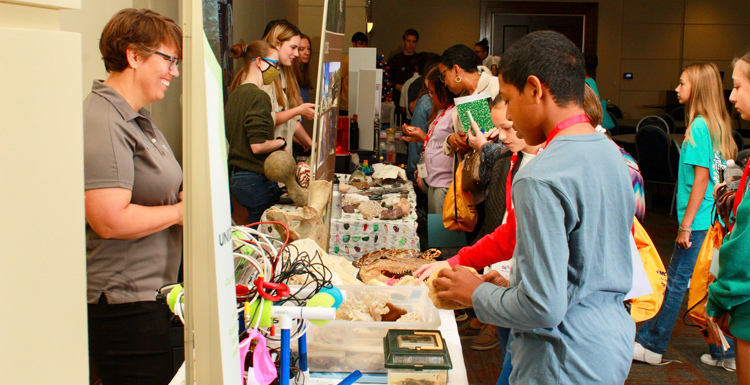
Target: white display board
{"type": "Point", "coordinates": [211, 326]}
{"type": "Point", "coordinates": [368, 106]}
{"type": "Point", "coordinates": [358, 58]}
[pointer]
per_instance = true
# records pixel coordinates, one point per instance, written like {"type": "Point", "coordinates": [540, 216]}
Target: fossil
{"type": "Point", "coordinates": [396, 263]}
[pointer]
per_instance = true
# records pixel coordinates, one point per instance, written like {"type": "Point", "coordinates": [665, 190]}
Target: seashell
{"type": "Point", "coordinates": [303, 174]}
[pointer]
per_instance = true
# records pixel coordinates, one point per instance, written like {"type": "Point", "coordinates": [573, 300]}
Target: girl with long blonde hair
{"type": "Point", "coordinates": [708, 102]}
{"type": "Point", "coordinates": [708, 144]}
{"type": "Point", "coordinates": [729, 295]}
{"type": "Point", "coordinates": [284, 92]}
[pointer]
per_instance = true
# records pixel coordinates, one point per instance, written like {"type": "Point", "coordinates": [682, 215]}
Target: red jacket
{"type": "Point", "coordinates": [495, 247]}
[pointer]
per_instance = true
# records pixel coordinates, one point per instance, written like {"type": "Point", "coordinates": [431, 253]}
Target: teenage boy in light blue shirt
{"type": "Point", "coordinates": [574, 209]}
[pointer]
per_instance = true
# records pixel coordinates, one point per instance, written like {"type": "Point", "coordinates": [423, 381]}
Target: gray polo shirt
{"type": "Point", "coordinates": [124, 149]}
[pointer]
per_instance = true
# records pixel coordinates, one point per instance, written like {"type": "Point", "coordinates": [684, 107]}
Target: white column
{"type": "Point", "coordinates": [43, 331]}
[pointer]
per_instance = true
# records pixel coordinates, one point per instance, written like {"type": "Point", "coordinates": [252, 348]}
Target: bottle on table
{"type": "Point", "coordinates": [390, 146]}
{"type": "Point", "coordinates": [336, 199]}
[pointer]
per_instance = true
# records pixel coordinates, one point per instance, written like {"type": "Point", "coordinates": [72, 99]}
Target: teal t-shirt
{"type": "Point", "coordinates": [606, 119]}
{"type": "Point", "coordinates": [700, 154]}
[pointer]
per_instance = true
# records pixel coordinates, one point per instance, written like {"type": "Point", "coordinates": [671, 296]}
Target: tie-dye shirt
{"type": "Point", "coordinates": [635, 175]}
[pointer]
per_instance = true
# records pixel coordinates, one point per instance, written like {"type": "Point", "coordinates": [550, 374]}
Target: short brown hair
{"type": "Point", "coordinates": [142, 30]}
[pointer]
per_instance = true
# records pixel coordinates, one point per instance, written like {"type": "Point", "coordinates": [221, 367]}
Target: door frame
{"type": "Point", "coordinates": [590, 11]}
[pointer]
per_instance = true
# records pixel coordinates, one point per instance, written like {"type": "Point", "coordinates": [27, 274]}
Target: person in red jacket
{"type": "Point", "coordinates": [499, 245]}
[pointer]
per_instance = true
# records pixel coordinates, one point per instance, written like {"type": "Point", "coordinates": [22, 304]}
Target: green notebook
{"type": "Point", "coordinates": [479, 105]}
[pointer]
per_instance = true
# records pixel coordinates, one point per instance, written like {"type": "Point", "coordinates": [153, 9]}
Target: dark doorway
{"type": "Point", "coordinates": [504, 22]}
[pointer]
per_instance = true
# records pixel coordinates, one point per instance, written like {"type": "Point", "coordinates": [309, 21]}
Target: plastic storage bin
{"type": "Point", "coordinates": [416, 357]}
{"type": "Point", "coordinates": [345, 346]}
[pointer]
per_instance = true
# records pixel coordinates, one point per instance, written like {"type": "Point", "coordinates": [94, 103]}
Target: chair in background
{"type": "Point", "coordinates": [653, 120]}
{"type": "Point", "coordinates": [678, 114]}
{"type": "Point", "coordinates": [669, 119]}
{"type": "Point", "coordinates": [739, 140]}
{"type": "Point", "coordinates": [615, 110]}
{"type": "Point", "coordinates": [653, 149]}
{"type": "Point", "coordinates": [616, 129]}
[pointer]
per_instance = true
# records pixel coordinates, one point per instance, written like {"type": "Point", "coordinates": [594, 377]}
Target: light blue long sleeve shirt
{"type": "Point", "coordinates": [574, 210]}
{"type": "Point", "coordinates": [419, 119]}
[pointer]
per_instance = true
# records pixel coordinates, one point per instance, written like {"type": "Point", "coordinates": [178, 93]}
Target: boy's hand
{"type": "Point", "coordinates": [476, 137]}
{"type": "Point", "coordinates": [459, 283]}
{"type": "Point", "coordinates": [495, 278]}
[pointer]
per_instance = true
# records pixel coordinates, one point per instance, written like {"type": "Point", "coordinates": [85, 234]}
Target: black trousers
{"type": "Point", "coordinates": [129, 343]}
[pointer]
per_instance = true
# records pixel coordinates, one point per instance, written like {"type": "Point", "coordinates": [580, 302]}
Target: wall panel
{"type": "Point", "coordinates": [650, 75]}
{"type": "Point", "coordinates": [717, 12]}
{"type": "Point", "coordinates": [651, 41]}
{"type": "Point", "coordinates": [650, 11]}
{"type": "Point", "coordinates": [632, 102]}
{"type": "Point", "coordinates": [716, 42]}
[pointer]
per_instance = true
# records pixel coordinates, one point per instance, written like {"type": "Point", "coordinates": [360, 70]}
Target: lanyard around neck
{"type": "Point", "coordinates": [571, 121]}
{"type": "Point", "coordinates": [432, 127]}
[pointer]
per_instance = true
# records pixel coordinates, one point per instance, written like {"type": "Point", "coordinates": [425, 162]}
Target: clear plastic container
{"type": "Point", "coordinates": [345, 346]}
{"type": "Point", "coordinates": [427, 376]}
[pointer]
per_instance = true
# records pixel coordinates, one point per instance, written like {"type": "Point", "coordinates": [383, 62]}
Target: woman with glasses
{"type": "Point", "coordinates": [437, 164]}
{"type": "Point", "coordinates": [459, 71]}
{"type": "Point", "coordinates": [285, 91]}
{"type": "Point", "coordinates": [250, 128]}
{"type": "Point", "coordinates": [133, 201]}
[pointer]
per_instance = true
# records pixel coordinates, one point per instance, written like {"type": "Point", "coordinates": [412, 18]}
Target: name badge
{"type": "Point", "coordinates": [422, 170]}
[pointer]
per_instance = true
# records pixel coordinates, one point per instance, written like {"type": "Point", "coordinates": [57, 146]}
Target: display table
{"type": "Point", "coordinates": [352, 235]}
{"type": "Point", "coordinates": [456, 376]}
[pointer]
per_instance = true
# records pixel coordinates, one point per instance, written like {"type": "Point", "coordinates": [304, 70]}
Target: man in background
{"type": "Point", "coordinates": [402, 65]}
{"type": "Point", "coordinates": [359, 40]}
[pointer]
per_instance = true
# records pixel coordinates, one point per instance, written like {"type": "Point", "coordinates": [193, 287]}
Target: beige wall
{"type": "Point", "coordinates": [42, 230]}
{"type": "Point", "coordinates": [89, 22]}
{"type": "Point", "coordinates": [652, 39]}
{"type": "Point", "coordinates": [251, 16]}
{"type": "Point", "coordinates": [661, 37]}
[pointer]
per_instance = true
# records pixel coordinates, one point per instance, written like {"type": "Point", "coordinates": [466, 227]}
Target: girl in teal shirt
{"type": "Point", "coordinates": [708, 142]}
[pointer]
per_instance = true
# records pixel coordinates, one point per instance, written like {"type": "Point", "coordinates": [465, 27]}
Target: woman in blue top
{"type": "Point", "coordinates": [708, 142]}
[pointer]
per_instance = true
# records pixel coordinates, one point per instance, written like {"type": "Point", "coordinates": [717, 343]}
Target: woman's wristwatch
{"type": "Point", "coordinates": [283, 146]}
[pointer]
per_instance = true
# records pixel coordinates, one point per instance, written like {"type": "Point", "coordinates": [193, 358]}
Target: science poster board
{"type": "Point", "coordinates": [211, 327]}
{"type": "Point", "coordinates": [323, 156]}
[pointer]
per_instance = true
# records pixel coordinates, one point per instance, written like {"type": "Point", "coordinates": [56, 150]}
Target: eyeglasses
{"type": "Point", "coordinates": [442, 75]}
{"type": "Point", "coordinates": [173, 61]}
{"type": "Point", "coordinates": [270, 62]}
